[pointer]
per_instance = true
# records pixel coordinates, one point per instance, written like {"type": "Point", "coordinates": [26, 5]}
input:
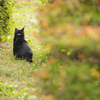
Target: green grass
{"type": "Point", "coordinates": [19, 72]}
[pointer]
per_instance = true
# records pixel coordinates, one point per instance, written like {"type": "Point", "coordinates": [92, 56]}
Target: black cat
{"type": "Point", "coordinates": [21, 48]}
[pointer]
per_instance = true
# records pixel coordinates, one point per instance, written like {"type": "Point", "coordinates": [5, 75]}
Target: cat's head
{"type": "Point", "coordinates": [19, 33]}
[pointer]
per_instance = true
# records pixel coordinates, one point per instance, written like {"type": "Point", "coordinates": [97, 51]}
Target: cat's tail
{"type": "Point", "coordinates": [30, 60]}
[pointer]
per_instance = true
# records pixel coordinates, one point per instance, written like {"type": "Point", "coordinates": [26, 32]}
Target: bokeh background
{"type": "Point", "coordinates": [70, 30]}
{"type": "Point", "coordinates": [65, 38]}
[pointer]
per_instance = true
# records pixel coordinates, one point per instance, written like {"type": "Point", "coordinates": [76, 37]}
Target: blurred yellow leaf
{"type": "Point", "coordinates": [95, 73]}
{"type": "Point", "coordinates": [48, 97]}
{"type": "Point", "coordinates": [68, 53]}
{"type": "Point", "coordinates": [63, 50]}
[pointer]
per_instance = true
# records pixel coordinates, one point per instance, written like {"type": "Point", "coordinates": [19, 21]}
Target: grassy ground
{"type": "Point", "coordinates": [19, 72]}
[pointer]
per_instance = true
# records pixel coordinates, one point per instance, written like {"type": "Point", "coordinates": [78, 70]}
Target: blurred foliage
{"type": "Point", "coordinates": [74, 82]}
{"type": "Point", "coordinates": [5, 19]}
{"type": "Point", "coordinates": [70, 30]}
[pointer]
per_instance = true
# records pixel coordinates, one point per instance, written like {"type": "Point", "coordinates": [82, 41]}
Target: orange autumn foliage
{"type": "Point", "coordinates": [44, 75]}
{"type": "Point", "coordinates": [35, 34]}
{"type": "Point", "coordinates": [45, 23]}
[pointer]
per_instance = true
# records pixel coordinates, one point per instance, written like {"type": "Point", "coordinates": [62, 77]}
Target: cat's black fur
{"type": "Point", "coordinates": [21, 48]}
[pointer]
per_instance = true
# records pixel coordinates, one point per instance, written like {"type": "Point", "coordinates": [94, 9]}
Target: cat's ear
{"type": "Point", "coordinates": [16, 29]}
{"type": "Point", "coordinates": [23, 29]}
